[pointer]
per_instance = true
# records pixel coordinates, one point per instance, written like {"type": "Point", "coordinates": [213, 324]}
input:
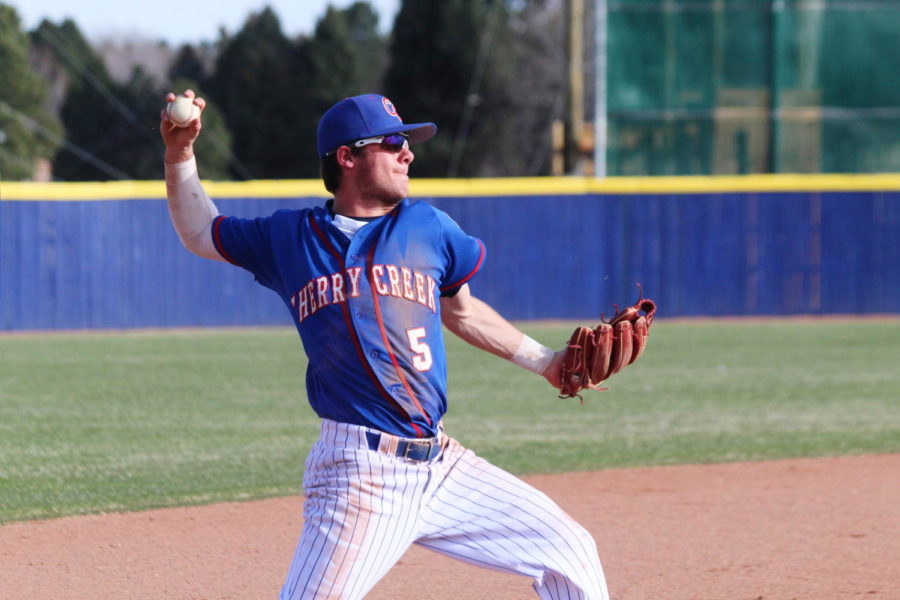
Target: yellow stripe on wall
{"type": "Point", "coordinates": [536, 186]}
{"type": "Point", "coordinates": [120, 190]}
{"type": "Point", "coordinates": [514, 186]}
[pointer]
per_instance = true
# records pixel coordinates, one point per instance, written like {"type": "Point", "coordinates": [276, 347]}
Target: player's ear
{"type": "Point", "coordinates": [344, 156]}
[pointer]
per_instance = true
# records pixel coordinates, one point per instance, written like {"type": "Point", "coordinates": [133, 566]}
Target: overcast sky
{"type": "Point", "coordinates": [182, 21]}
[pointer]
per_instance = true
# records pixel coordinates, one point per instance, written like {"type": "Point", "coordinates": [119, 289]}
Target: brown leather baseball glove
{"type": "Point", "coordinates": [594, 355]}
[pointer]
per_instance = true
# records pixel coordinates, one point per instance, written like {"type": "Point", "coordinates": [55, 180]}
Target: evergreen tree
{"type": "Point", "coordinates": [188, 64]}
{"type": "Point", "coordinates": [28, 130]}
{"type": "Point", "coordinates": [347, 53]}
{"type": "Point", "coordinates": [256, 83]}
{"type": "Point", "coordinates": [370, 46]}
{"type": "Point", "coordinates": [345, 57]}
{"type": "Point", "coordinates": [112, 126]}
{"type": "Point", "coordinates": [273, 91]}
{"type": "Point", "coordinates": [451, 62]}
{"type": "Point", "coordinates": [135, 143]}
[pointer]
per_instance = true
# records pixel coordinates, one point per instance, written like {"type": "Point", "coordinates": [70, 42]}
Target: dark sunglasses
{"type": "Point", "coordinates": [395, 142]}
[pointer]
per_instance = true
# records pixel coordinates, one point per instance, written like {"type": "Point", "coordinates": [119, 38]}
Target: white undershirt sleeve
{"type": "Point", "coordinates": [191, 209]}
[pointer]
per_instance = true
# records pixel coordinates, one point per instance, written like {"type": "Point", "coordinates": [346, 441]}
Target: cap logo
{"type": "Point", "coordinates": [389, 108]}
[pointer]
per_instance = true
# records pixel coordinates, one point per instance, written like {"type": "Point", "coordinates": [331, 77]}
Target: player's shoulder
{"type": "Point", "coordinates": [292, 214]}
{"type": "Point", "coordinates": [426, 212]}
{"type": "Point", "coordinates": [292, 217]}
{"type": "Point", "coordinates": [424, 209]}
{"type": "Point", "coordinates": [416, 206]}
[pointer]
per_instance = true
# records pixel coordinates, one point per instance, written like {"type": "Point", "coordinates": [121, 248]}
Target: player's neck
{"type": "Point", "coordinates": [360, 206]}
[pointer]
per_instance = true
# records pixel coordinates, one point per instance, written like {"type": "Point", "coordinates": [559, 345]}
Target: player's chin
{"type": "Point", "coordinates": [402, 186]}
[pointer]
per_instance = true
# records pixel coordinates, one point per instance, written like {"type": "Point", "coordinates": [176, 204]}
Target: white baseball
{"type": "Point", "coordinates": [182, 111]}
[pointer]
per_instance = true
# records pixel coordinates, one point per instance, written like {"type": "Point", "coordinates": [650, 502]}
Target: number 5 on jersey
{"type": "Point", "coordinates": [421, 359]}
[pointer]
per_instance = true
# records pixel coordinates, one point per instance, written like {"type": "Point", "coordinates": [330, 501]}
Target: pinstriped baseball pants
{"type": "Point", "coordinates": [364, 509]}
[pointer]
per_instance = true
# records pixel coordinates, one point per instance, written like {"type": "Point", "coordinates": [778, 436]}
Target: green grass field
{"type": "Point", "coordinates": [122, 421]}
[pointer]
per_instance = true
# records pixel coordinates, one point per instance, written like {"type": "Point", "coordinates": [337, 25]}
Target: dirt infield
{"type": "Point", "coordinates": [810, 528]}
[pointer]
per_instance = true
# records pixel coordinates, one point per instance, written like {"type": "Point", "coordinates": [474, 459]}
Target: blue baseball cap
{"type": "Point", "coordinates": [369, 115]}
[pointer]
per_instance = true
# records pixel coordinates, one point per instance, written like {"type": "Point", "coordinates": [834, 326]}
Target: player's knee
{"type": "Point", "coordinates": [586, 563]}
{"type": "Point", "coordinates": [579, 537]}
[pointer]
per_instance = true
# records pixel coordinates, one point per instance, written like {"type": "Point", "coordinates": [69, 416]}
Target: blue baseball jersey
{"type": "Point", "coordinates": [367, 308]}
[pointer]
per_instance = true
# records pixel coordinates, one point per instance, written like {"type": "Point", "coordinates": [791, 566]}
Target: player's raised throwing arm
{"type": "Point", "coordinates": [190, 208]}
{"type": "Point", "coordinates": [477, 323]}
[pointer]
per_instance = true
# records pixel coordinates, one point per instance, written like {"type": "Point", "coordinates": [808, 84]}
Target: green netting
{"type": "Point", "coordinates": [753, 86]}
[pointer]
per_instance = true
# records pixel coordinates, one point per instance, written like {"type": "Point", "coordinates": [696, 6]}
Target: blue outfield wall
{"type": "Point", "coordinates": [73, 263]}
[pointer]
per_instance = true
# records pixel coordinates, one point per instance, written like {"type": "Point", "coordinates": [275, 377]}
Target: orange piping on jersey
{"type": "Point", "coordinates": [349, 322]}
{"type": "Point", "coordinates": [217, 240]}
{"type": "Point", "coordinates": [470, 275]}
{"type": "Point", "coordinates": [387, 343]}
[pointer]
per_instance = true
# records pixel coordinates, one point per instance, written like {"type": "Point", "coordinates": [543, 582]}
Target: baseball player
{"type": "Point", "coordinates": [369, 278]}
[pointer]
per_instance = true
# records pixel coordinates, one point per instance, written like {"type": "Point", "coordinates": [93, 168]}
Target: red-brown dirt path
{"type": "Point", "coordinates": [824, 528]}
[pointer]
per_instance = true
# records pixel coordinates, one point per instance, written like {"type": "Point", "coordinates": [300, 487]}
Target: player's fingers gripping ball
{"type": "Point", "coordinates": [182, 111]}
{"type": "Point", "coordinates": [594, 355]}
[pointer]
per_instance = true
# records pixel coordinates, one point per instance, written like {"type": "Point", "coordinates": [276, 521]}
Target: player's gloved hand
{"type": "Point", "coordinates": [594, 355]}
{"type": "Point", "coordinates": [179, 141]}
